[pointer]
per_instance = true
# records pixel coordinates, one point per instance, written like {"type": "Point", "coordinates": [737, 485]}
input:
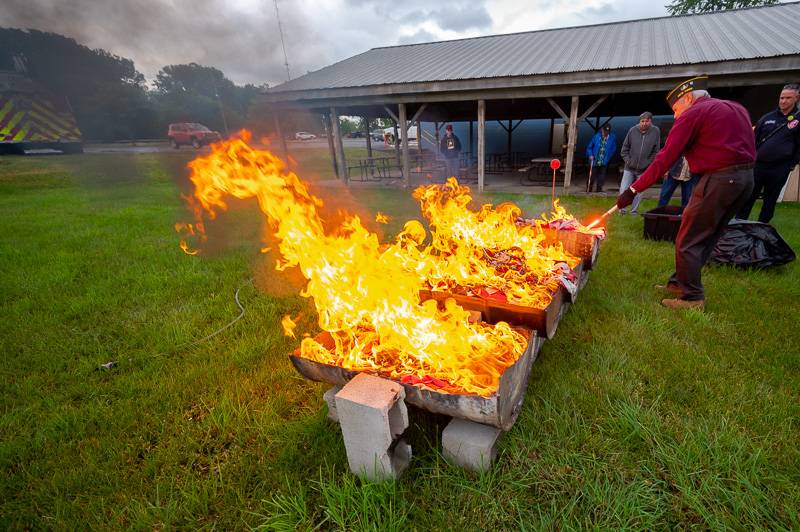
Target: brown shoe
{"type": "Point", "coordinates": [670, 287]}
{"type": "Point", "coordinates": [682, 303]}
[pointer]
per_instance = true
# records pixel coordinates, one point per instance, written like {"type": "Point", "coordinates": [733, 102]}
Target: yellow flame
{"type": "Point", "coordinates": [364, 294]}
{"type": "Point", "coordinates": [381, 218]}
{"type": "Point", "coordinates": [288, 326]}
{"type": "Point", "coordinates": [187, 250]}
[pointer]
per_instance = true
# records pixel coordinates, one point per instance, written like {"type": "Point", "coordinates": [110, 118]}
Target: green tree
{"type": "Point", "coordinates": [197, 93]}
{"type": "Point", "coordinates": [683, 7]}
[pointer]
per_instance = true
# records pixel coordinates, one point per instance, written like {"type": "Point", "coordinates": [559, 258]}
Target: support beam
{"type": "Point", "coordinates": [591, 108]}
{"type": "Point", "coordinates": [558, 109]}
{"type": "Point", "coordinates": [326, 121]}
{"type": "Point", "coordinates": [572, 135]}
{"type": "Point", "coordinates": [281, 138]}
{"type": "Point", "coordinates": [337, 143]}
{"type": "Point", "coordinates": [391, 113]}
{"type": "Point", "coordinates": [436, 139]}
{"type": "Point", "coordinates": [510, 131]}
{"type": "Point", "coordinates": [471, 143]}
{"type": "Point", "coordinates": [396, 142]}
{"type": "Point", "coordinates": [415, 118]}
{"type": "Point", "coordinates": [404, 136]}
{"type": "Point", "coordinates": [369, 145]}
{"type": "Point", "coordinates": [481, 142]}
{"type": "Point", "coordinates": [419, 138]}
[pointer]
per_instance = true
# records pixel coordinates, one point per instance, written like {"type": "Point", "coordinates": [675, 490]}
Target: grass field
{"type": "Point", "coordinates": [636, 417]}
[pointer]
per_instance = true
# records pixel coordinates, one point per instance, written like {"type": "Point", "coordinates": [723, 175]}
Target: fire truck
{"type": "Point", "coordinates": [32, 118]}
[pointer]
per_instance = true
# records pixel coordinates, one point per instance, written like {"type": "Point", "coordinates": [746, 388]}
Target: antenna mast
{"type": "Point", "coordinates": [283, 44]}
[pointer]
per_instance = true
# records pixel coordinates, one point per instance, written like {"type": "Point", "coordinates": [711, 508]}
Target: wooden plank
{"type": "Point", "coordinates": [558, 109]}
{"type": "Point", "coordinates": [594, 106]}
{"type": "Point", "coordinates": [329, 133]}
{"type": "Point", "coordinates": [337, 143]}
{"type": "Point", "coordinates": [572, 135]}
{"type": "Point", "coordinates": [282, 137]}
{"type": "Point", "coordinates": [391, 114]}
{"type": "Point", "coordinates": [481, 143]}
{"type": "Point", "coordinates": [369, 145]}
{"type": "Point", "coordinates": [404, 136]}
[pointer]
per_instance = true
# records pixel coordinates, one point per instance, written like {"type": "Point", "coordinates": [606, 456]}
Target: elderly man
{"type": "Point", "coordinates": [778, 142]}
{"type": "Point", "coordinates": [716, 138]}
{"type": "Point", "coordinates": [638, 150]}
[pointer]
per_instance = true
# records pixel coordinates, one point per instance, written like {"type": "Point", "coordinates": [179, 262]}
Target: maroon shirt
{"type": "Point", "coordinates": [711, 134]}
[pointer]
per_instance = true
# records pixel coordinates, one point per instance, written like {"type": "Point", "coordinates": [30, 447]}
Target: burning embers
{"type": "Point", "coordinates": [367, 295]}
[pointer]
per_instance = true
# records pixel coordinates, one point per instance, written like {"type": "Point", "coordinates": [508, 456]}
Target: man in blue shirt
{"type": "Point", "coordinates": [600, 151]}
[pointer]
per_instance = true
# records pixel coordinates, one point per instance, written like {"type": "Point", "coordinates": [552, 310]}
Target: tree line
{"type": "Point", "coordinates": [111, 99]}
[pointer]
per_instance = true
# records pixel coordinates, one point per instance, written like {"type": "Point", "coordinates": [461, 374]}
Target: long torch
{"type": "Point", "coordinates": [605, 215]}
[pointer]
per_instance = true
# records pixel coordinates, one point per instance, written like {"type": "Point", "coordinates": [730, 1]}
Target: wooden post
{"type": "Point", "coordinates": [367, 135]}
{"type": "Point", "coordinates": [329, 133]}
{"type": "Point", "coordinates": [281, 137]}
{"type": "Point", "coordinates": [550, 140]}
{"type": "Point", "coordinates": [481, 142]}
{"type": "Point", "coordinates": [510, 131]}
{"type": "Point", "coordinates": [419, 138]}
{"type": "Point", "coordinates": [404, 136]}
{"type": "Point", "coordinates": [572, 134]}
{"type": "Point", "coordinates": [471, 143]}
{"type": "Point", "coordinates": [436, 139]}
{"type": "Point", "coordinates": [337, 142]}
{"type": "Point", "coordinates": [396, 141]}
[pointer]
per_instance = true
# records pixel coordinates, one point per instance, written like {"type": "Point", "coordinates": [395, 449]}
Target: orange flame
{"type": "Point", "coordinates": [288, 326]}
{"type": "Point", "coordinates": [381, 218]}
{"type": "Point", "coordinates": [365, 294]}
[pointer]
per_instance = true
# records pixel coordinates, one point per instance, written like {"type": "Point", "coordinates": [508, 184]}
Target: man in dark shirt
{"type": "Point", "coordinates": [716, 138]}
{"type": "Point", "coordinates": [778, 142]}
{"type": "Point", "coordinates": [450, 147]}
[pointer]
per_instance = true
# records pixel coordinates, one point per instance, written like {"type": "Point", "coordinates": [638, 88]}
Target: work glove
{"type": "Point", "coordinates": [626, 198]}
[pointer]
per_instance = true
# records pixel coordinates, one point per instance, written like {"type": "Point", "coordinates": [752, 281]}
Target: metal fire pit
{"type": "Point", "coordinates": [582, 245]}
{"type": "Point", "coordinates": [499, 410]}
{"type": "Point", "coordinates": [544, 321]}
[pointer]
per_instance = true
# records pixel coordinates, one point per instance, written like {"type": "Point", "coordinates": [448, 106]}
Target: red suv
{"type": "Point", "coordinates": [191, 133]}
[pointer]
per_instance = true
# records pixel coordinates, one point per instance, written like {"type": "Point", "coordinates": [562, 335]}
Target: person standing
{"type": "Point", "coordinates": [638, 150]}
{"type": "Point", "coordinates": [600, 151]}
{"type": "Point", "coordinates": [450, 147]}
{"type": "Point", "coordinates": [717, 140]}
{"type": "Point", "coordinates": [777, 137]}
{"type": "Point", "coordinates": [679, 174]}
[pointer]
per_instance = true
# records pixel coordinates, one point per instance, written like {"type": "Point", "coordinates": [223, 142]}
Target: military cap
{"type": "Point", "coordinates": [685, 87]}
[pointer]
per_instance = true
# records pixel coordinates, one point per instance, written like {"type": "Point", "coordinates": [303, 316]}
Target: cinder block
{"type": "Point", "coordinates": [372, 415]}
{"type": "Point", "coordinates": [470, 445]}
{"type": "Point", "coordinates": [329, 398]}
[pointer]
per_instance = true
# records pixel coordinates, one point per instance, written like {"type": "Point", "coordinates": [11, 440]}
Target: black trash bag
{"type": "Point", "coordinates": [751, 245]}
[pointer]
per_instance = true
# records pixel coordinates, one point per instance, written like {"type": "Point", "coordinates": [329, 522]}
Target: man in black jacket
{"type": "Point", "coordinates": [778, 143]}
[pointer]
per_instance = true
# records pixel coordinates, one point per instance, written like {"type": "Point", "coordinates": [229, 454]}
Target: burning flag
{"type": "Point", "coordinates": [365, 294]}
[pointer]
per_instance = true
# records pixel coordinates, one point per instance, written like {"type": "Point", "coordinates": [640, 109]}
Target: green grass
{"type": "Point", "coordinates": [636, 417]}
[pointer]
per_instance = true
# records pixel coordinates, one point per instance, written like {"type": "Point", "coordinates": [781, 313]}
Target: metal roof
{"type": "Point", "coordinates": [754, 33]}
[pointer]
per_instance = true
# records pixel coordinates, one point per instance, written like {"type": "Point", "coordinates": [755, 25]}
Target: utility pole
{"type": "Point", "coordinates": [283, 44]}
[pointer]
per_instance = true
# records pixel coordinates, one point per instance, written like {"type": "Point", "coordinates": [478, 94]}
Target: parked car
{"type": "Point", "coordinates": [376, 135]}
{"type": "Point", "coordinates": [191, 133]}
{"type": "Point", "coordinates": [303, 135]}
{"type": "Point", "coordinates": [356, 134]}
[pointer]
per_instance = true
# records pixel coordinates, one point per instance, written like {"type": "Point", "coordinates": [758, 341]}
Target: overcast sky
{"type": "Point", "coordinates": [240, 37]}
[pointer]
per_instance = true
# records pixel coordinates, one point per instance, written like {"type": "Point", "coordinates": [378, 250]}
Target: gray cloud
{"type": "Point", "coordinates": [418, 37]}
{"type": "Point", "coordinates": [472, 16]}
{"type": "Point", "coordinates": [240, 37]}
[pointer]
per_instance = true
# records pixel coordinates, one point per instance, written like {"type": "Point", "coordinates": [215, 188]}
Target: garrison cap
{"type": "Point", "coordinates": [685, 87]}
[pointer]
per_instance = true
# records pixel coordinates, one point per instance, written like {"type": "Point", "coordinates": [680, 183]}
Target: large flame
{"type": "Point", "coordinates": [365, 294]}
{"type": "Point", "coordinates": [484, 249]}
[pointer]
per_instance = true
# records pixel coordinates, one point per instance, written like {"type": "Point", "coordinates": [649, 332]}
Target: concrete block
{"type": "Point", "coordinates": [373, 415]}
{"type": "Point", "coordinates": [329, 397]}
{"type": "Point", "coordinates": [470, 445]}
